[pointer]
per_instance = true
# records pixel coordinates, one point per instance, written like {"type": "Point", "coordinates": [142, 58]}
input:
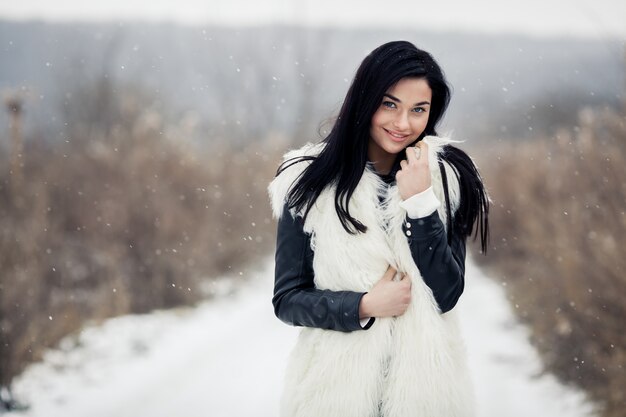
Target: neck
{"type": "Point", "coordinates": [382, 168]}
{"type": "Point", "coordinates": [383, 161]}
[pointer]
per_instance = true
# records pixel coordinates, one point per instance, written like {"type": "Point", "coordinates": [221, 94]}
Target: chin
{"type": "Point", "coordinates": [397, 147]}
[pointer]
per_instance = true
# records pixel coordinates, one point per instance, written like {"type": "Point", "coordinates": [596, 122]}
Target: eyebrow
{"type": "Point", "coordinates": [396, 99]}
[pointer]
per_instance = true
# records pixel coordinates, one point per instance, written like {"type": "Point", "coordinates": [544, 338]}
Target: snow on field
{"type": "Point", "coordinates": [505, 367]}
{"type": "Point", "coordinates": [226, 358]}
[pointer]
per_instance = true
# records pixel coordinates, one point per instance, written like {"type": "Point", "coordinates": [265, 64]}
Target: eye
{"type": "Point", "coordinates": [419, 110]}
{"type": "Point", "coordinates": [389, 104]}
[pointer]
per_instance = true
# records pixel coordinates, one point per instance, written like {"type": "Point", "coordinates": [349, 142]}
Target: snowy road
{"type": "Point", "coordinates": [226, 359]}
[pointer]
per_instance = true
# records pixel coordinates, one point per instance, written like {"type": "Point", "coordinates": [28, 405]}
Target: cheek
{"type": "Point", "coordinates": [419, 125]}
{"type": "Point", "coordinates": [378, 118]}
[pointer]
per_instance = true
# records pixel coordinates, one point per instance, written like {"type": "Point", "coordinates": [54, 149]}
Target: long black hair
{"type": "Point", "coordinates": [344, 157]}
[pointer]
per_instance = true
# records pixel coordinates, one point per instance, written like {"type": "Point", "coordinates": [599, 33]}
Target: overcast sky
{"type": "Point", "coordinates": [587, 18]}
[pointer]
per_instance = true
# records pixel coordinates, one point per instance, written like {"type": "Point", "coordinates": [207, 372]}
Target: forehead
{"type": "Point", "coordinates": [411, 90]}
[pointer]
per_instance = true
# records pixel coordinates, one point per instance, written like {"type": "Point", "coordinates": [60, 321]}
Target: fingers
{"type": "Point", "coordinates": [389, 297]}
{"type": "Point", "coordinates": [391, 272]}
{"type": "Point", "coordinates": [423, 150]}
{"type": "Point", "coordinates": [410, 155]}
{"type": "Point", "coordinates": [405, 294]}
{"type": "Point", "coordinates": [416, 154]}
{"type": "Point", "coordinates": [405, 279]}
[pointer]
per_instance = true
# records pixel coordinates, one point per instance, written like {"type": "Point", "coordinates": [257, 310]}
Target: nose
{"type": "Point", "coordinates": [401, 121]}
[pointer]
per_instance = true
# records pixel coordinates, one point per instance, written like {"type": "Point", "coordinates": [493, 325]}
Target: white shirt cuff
{"type": "Point", "coordinates": [365, 321]}
{"type": "Point", "coordinates": [422, 204]}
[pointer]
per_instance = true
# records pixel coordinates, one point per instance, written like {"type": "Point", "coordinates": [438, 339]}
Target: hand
{"type": "Point", "coordinates": [388, 297]}
{"type": "Point", "coordinates": [413, 177]}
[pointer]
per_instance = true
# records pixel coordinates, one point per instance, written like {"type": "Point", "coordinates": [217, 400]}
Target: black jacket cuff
{"type": "Point", "coordinates": [422, 228]}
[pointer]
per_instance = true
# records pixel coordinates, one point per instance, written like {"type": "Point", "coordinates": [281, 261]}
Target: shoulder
{"type": "Point", "coordinates": [293, 164]}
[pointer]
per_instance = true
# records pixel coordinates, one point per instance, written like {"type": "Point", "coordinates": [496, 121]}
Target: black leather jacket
{"type": "Point", "coordinates": [298, 302]}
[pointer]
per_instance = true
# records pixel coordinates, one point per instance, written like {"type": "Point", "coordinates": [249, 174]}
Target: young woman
{"type": "Point", "coordinates": [370, 254]}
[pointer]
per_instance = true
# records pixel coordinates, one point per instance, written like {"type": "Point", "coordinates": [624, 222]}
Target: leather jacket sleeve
{"type": "Point", "coordinates": [442, 266]}
{"type": "Point", "coordinates": [296, 300]}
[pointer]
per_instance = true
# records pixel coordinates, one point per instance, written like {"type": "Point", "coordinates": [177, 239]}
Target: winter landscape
{"type": "Point", "coordinates": [137, 141]}
{"type": "Point", "coordinates": [202, 361]}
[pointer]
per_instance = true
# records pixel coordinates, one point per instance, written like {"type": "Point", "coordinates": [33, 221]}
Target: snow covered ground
{"type": "Point", "coordinates": [225, 358]}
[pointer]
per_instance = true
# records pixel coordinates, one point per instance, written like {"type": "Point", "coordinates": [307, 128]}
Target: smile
{"type": "Point", "coordinates": [397, 137]}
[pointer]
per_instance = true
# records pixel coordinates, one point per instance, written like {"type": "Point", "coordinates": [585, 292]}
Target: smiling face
{"type": "Point", "coordinates": [399, 120]}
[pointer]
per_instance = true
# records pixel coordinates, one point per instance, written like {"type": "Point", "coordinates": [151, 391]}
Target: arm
{"type": "Point", "coordinates": [442, 266]}
{"type": "Point", "coordinates": [296, 300]}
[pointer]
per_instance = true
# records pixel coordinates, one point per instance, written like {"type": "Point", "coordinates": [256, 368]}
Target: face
{"type": "Point", "coordinates": [399, 120]}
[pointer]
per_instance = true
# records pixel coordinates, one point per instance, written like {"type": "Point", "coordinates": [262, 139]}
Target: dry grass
{"type": "Point", "coordinates": [121, 220]}
{"type": "Point", "coordinates": [558, 237]}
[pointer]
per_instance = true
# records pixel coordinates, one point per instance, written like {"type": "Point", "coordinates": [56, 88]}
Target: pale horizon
{"type": "Point", "coordinates": [574, 18]}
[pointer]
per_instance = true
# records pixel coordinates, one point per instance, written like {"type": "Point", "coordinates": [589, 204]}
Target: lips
{"type": "Point", "coordinates": [395, 136]}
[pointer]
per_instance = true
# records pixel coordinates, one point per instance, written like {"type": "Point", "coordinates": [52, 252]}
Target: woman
{"type": "Point", "coordinates": [370, 254]}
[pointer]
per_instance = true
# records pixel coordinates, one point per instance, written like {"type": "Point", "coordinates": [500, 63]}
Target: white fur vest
{"type": "Point", "coordinates": [410, 366]}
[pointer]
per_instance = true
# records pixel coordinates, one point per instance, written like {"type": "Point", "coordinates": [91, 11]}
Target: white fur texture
{"type": "Point", "coordinates": [412, 365]}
